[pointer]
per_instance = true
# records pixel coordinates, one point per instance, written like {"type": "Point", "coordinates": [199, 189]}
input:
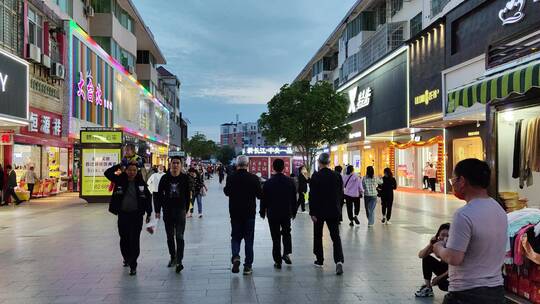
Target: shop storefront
{"type": "Point", "coordinates": [376, 114]}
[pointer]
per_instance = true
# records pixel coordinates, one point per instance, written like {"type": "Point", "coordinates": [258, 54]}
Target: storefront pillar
{"type": "Point", "coordinates": [8, 155]}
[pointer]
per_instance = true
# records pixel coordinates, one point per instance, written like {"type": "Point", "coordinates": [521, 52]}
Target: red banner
{"type": "Point", "coordinates": [43, 124]}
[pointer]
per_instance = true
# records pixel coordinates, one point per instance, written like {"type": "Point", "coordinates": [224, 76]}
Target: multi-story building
{"type": "Point", "coordinates": [169, 86]}
{"type": "Point", "coordinates": [238, 135]}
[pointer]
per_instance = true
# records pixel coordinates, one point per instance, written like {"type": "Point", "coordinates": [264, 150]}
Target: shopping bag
{"type": "Point", "coordinates": [152, 226]}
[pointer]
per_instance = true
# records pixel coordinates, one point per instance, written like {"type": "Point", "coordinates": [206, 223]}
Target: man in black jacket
{"type": "Point", "coordinates": [174, 194]}
{"type": "Point", "coordinates": [130, 201]}
{"type": "Point", "coordinates": [279, 202]}
{"type": "Point", "coordinates": [325, 196]}
{"type": "Point", "coordinates": [11, 184]}
{"type": "Point", "coordinates": [242, 188]}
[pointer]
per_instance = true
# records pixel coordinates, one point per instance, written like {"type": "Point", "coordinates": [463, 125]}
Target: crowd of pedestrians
{"type": "Point", "coordinates": [464, 257]}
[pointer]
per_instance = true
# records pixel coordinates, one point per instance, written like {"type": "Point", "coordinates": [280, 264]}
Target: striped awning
{"type": "Point", "coordinates": [496, 87]}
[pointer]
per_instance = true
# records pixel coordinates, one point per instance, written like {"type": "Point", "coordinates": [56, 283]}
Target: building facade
{"type": "Point", "coordinates": [239, 135]}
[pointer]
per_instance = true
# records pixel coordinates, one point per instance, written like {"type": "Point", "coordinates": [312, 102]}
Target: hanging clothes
{"type": "Point", "coordinates": [535, 149]}
{"type": "Point", "coordinates": [518, 254]}
{"type": "Point", "coordinates": [525, 175]}
{"type": "Point", "coordinates": [517, 150]}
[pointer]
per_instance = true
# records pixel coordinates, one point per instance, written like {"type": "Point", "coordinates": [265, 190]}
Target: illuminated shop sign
{"type": "Point", "coordinates": [513, 11]}
{"type": "Point", "coordinates": [13, 88]}
{"type": "Point", "coordinates": [427, 97]}
{"type": "Point", "coordinates": [474, 133]}
{"type": "Point", "coordinates": [359, 99]}
{"type": "Point", "coordinates": [43, 123]}
{"type": "Point", "coordinates": [101, 137]}
{"type": "Point", "coordinates": [87, 92]}
{"type": "Point", "coordinates": [268, 151]}
{"type": "Point", "coordinates": [6, 138]}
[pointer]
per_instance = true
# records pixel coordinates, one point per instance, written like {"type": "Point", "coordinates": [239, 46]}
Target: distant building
{"type": "Point", "coordinates": [238, 135]}
{"type": "Point", "coordinates": [169, 88]}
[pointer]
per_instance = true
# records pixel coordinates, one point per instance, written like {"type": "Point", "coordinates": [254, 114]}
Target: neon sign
{"type": "Point", "coordinates": [359, 99]}
{"type": "Point", "coordinates": [517, 7]}
{"type": "Point", "coordinates": [3, 81]}
{"type": "Point", "coordinates": [91, 91]}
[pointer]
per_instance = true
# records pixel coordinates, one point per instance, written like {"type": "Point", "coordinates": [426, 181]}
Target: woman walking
{"type": "Point", "coordinates": [199, 188]}
{"type": "Point", "coordinates": [370, 183]}
{"type": "Point", "coordinates": [303, 180]}
{"type": "Point", "coordinates": [353, 191]}
{"type": "Point", "coordinates": [387, 195]}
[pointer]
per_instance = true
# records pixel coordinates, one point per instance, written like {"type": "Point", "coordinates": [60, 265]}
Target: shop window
{"type": "Point", "coordinates": [24, 157]}
{"type": "Point", "coordinates": [9, 29]}
{"type": "Point", "coordinates": [470, 147]}
{"type": "Point", "coordinates": [416, 24]}
{"type": "Point", "coordinates": [101, 6]}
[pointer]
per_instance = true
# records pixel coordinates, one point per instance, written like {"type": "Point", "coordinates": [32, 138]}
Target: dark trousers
{"type": "Point", "coordinates": [31, 189]}
{"type": "Point", "coordinates": [352, 202]}
{"type": "Point", "coordinates": [425, 182]}
{"type": "Point", "coordinates": [491, 295]}
{"type": "Point", "coordinates": [432, 182]}
{"type": "Point", "coordinates": [333, 227]}
{"type": "Point", "coordinates": [129, 228]}
{"type": "Point", "coordinates": [10, 192]}
{"type": "Point", "coordinates": [386, 205]}
{"type": "Point", "coordinates": [221, 177]}
{"type": "Point", "coordinates": [430, 266]}
{"type": "Point", "coordinates": [175, 227]}
{"type": "Point", "coordinates": [301, 201]}
{"type": "Point", "coordinates": [243, 229]}
{"type": "Point", "coordinates": [280, 229]}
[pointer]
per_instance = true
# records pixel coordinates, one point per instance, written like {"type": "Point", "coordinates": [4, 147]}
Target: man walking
{"type": "Point", "coordinates": [242, 188]}
{"type": "Point", "coordinates": [174, 193]}
{"type": "Point", "coordinates": [475, 249]}
{"type": "Point", "coordinates": [11, 184]}
{"type": "Point", "coordinates": [325, 197]}
{"type": "Point", "coordinates": [30, 177]}
{"type": "Point", "coordinates": [279, 203]}
{"type": "Point", "coordinates": [130, 201]}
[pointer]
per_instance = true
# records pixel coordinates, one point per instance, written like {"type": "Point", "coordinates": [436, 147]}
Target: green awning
{"type": "Point", "coordinates": [496, 87]}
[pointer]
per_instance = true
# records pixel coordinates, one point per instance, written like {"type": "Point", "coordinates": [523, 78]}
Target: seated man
{"type": "Point", "coordinates": [431, 265]}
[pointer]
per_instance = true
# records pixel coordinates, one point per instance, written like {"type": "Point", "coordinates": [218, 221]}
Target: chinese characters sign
{"type": "Point", "coordinates": [44, 123]}
{"type": "Point", "coordinates": [6, 138]}
{"type": "Point", "coordinates": [268, 151]}
{"type": "Point", "coordinates": [259, 165]}
{"type": "Point", "coordinates": [359, 99]}
{"type": "Point", "coordinates": [101, 137]}
{"type": "Point", "coordinates": [87, 92]}
{"type": "Point", "coordinates": [94, 164]}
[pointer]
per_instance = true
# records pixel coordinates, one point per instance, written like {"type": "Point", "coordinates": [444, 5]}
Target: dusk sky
{"type": "Point", "coordinates": [233, 56]}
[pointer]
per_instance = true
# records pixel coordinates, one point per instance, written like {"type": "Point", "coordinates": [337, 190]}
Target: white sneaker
{"type": "Point", "coordinates": [388, 223]}
{"type": "Point", "coordinates": [424, 292]}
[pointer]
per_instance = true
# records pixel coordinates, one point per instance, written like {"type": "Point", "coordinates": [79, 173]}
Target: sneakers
{"type": "Point", "coordinates": [424, 292]}
{"type": "Point", "coordinates": [236, 265]}
{"type": "Point", "coordinates": [171, 262]}
{"type": "Point", "coordinates": [318, 264]}
{"type": "Point", "coordinates": [388, 223]}
{"type": "Point", "coordinates": [276, 266]}
{"type": "Point", "coordinates": [125, 264]}
{"type": "Point", "coordinates": [287, 259]}
{"type": "Point", "coordinates": [383, 219]}
{"type": "Point", "coordinates": [248, 270]}
{"type": "Point", "coordinates": [339, 268]}
{"type": "Point", "coordinates": [351, 224]}
{"type": "Point", "coordinates": [356, 220]}
{"type": "Point", "coordinates": [200, 215]}
{"type": "Point", "coordinates": [133, 271]}
{"type": "Point", "coordinates": [179, 267]}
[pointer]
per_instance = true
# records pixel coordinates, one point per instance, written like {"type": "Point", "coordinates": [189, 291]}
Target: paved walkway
{"type": "Point", "coordinates": [61, 250]}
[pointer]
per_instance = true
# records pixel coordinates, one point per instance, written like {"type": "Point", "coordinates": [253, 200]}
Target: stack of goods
{"type": "Point", "coordinates": [512, 202]}
{"type": "Point", "coordinates": [522, 269]}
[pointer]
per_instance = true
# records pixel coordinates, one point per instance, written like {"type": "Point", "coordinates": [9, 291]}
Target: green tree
{"type": "Point", "coordinates": [200, 147]}
{"type": "Point", "coordinates": [306, 117]}
{"type": "Point", "coordinates": [225, 154]}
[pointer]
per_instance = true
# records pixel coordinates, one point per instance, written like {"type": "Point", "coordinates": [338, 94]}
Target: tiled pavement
{"type": "Point", "coordinates": [61, 250]}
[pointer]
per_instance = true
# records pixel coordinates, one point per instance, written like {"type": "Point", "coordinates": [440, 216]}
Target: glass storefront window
{"type": "Point", "coordinates": [410, 164]}
{"type": "Point", "coordinates": [470, 147]}
{"type": "Point", "coordinates": [25, 156]}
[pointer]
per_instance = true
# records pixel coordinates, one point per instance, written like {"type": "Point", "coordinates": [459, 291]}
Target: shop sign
{"type": "Point", "coordinates": [13, 86]}
{"type": "Point", "coordinates": [358, 129]}
{"type": "Point", "coordinates": [513, 11]}
{"type": "Point", "coordinates": [101, 137]}
{"type": "Point", "coordinates": [268, 151]}
{"type": "Point", "coordinates": [475, 133]}
{"type": "Point", "coordinates": [87, 92]}
{"type": "Point", "coordinates": [6, 138]}
{"type": "Point", "coordinates": [43, 122]}
{"type": "Point", "coordinates": [94, 164]}
{"type": "Point", "coordinates": [426, 97]}
{"type": "Point", "coordinates": [44, 88]}
{"type": "Point", "coordinates": [177, 153]}
{"type": "Point", "coordinates": [359, 99]}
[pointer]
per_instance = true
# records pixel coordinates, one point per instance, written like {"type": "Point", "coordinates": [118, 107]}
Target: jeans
{"type": "Point", "coordinates": [333, 227]}
{"type": "Point", "coordinates": [129, 229]}
{"type": "Point", "coordinates": [370, 203]}
{"type": "Point", "coordinates": [280, 228]}
{"type": "Point", "coordinates": [491, 295]}
{"type": "Point", "coordinates": [386, 205]}
{"type": "Point", "coordinates": [197, 197]}
{"type": "Point", "coordinates": [432, 183]}
{"type": "Point", "coordinates": [352, 201]}
{"type": "Point", "coordinates": [175, 227]}
{"type": "Point", "coordinates": [430, 266]}
{"type": "Point", "coordinates": [243, 229]}
{"type": "Point", "coordinates": [301, 201]}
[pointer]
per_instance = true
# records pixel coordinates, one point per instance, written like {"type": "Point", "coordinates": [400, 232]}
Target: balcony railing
{"type": "Point", "coordinates": [388, 38]}
{"type": "Point", "coordinates": [437, 6]}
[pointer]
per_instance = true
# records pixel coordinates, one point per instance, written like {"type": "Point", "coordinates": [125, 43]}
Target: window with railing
{"type": "Point", "coordinates": [9, 25]}
{"type": "Point", "coordinates": [395, 6]}
{"type": "Point", "coordinates": [437, 6]}
{"type": "Point", "coordinates": [416, 24]}
{"type": "Point", "coordinates": [35, 28]}
{"type": "Point", "coordinates": [365, 21]}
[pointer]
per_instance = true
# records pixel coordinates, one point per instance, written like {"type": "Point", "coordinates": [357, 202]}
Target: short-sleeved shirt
{"type": "Point", "coordinates": [479, 230]}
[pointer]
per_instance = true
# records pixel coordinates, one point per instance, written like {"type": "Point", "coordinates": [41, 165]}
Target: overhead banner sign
{"type": "Point", "coordinates": [273, 150]}
{"type": "Point", "coordinates": [101, 137]}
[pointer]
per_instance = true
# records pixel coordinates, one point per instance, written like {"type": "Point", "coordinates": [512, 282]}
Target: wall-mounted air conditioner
{"type": "Point", "coordinates": [33, 53]}
{"type": "Point", "coordinates": [57, 71]}
{"type": "Point", "coordinates": [46, 61]}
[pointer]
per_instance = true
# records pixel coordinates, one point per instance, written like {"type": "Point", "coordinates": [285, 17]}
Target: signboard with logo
{"type": "Point", "coordinates": [259, 165]}
{"type": "Point", "coordinates": [13, 88]}
{"type": "Point", "coordinates": [268, 150]}
{"type": "Point", "coordinates": [43, 124]}
{"type": "Point", "coordinates": [380, 95]}
{"type": "Point", "coordinates": [358, 130]}
{"type": "Point", "coordinates": [94, 164]}
{"type": "Point", "coordinates": [101, 137]}
{"type": "Point", "coordinates": [426, 58]}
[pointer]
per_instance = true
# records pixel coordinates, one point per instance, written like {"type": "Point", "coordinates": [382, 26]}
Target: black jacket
{"type": "Point", "coordinates": [242, 188]}
{"type": "Point", "coordinates": [387, 188]}
{"type": "Point", "coordinates": [302, 183]}
{"type": "Point", "coordinates": [121, 182]}
{"type": "Point", "coordinates": [326, 194]}
{"type": "Point", "coordinates": [279, 198]}
{"type": "Point", "coordinates": [173, 199]}
{"type": "Point", "coordinates": [12, 179]}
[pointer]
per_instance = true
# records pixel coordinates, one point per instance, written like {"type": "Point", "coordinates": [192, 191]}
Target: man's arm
{"type": "Point", "coordinates": [158, 203]}
{"type": "Point", "coordinates": [263, 207]}
{"type": "Point", "coordinates": [148, 203]}
{"type": "Point", "coordinates": [293, 206]}
{"type": "Point", "coordinates": [190, 186]}
{"type": "Point", "coordinates": [258, 188]}
{"type": "Point", "coordinates": [448, 255]}
{"type": "Point", "coordinates": [453, 251]}
{"type": "Point", "coordinates": [110, 173]}
{"type": "Point", "coordinates": [227, 188]}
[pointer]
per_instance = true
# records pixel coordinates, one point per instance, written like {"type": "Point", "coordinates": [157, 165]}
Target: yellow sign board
{"type": "Point", "coordinates": [94, 164]}
{"type": "Point", "coordinates": [475, 133]}
{"type": "Point", "coordinates": [101, 137]}
{"type": "Point", "coordinates": [426, 97]}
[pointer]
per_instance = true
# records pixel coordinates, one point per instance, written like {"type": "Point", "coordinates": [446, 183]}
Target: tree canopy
{"type": "Point", "coordinates": [306, 116]}
{"type": "Point", "coordinates": [225, 154]}
{"type": "Point", "coordinates": [200, 147]}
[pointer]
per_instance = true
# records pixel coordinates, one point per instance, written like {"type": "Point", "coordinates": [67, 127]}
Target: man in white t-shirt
{"type": "Point", "coordinates": [475, 249]}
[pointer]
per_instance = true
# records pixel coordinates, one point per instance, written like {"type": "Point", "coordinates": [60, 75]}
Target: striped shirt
{"type": "Point", "coordinates": [370, 185]}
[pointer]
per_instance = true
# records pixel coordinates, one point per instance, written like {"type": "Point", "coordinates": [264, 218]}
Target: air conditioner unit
{"type": "Point", "coordinates": [89, 10]}
{"type": "Point", "coordinates": [46, 61]}
{"type": "Point", "coordinates": [57, 71]}
{"type": "Point", "coordinates": [33, 53]}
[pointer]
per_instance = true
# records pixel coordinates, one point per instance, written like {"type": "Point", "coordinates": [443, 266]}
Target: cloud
{"type": "Point", "coordinates": [240, 90]}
